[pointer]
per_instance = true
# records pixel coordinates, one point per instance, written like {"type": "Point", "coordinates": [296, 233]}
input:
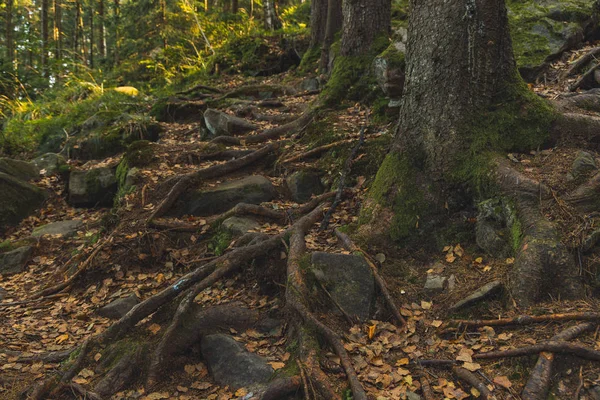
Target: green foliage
{"type": "Point", "coordinates": [220, 241]}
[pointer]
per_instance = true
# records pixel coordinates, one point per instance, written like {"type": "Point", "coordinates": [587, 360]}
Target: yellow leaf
{"type": "Point", "coordinates": [487, 268]}
{"type": "Point", "coordinates": [425, 305]}
{"type": "Point", "coordinates": [479, 260]}
{"type": "Point", "coordinates": [437, 323]}
{"type": "Point", "coordinates": [128, 90]}
{"type": "Point", "coordinates": [450, 258]}
{"type": "Point", "coordinates": [62, 338]}
{"type": "Point", "coordinates": [277, 365]}
{"type": "Point", "coordinates": [471, 366]}
{"type": "Point", "coordinates": [510, 261]}
{"type": "Point", "coordinates": [402, 361]}
{"type": "Point", "coordinates": [241, 392]}
{"type": "Point", "coordinates": [371, 332]}
{"type": "Point", "coordinates": [154, 328]}
{"type": "Point", "coordinates": [458, 250]}
{"type": "Point", "coordinates": [447, 248]}
{"type": "Point", "coordinates": [475, 393]}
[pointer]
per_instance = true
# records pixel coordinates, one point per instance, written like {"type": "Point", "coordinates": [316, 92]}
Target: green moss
{"type": "Point", "coordinates": [310, 60]}
{"type": "Point", "coordinates": [139, 154]}
{"type": "Point", "coordinates": [351, 77]}
{"type": "Point", "coordinates": [5, 246]}
{"type": "Point", "coordinates": [394, 57]}
{"type": "Point", "coordinates": [220, 241]}
{"type": "Point", "coordinates": [121, 172]}
{"type": "Point", "coordinates": [395, 188]}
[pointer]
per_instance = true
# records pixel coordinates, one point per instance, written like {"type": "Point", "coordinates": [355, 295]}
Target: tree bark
{"type": "Point", "coordinates": [318, 22]}
{"type": "Point", "coordinates": [272, 21]}
{"type": "Point", "coordinates": [333, 25]}
{"type": "Point", "coordinates": [364, 20]}
{"type": "Point", "coordinates": [101, 36]}
{"type": "Point", "coordinates": [10, 47]}
{"type": "Point", "coordinates": [117, 14]}
{"type": "Point", "coordinates": [44, 18]}
{"type": "Point", "coordinates": [92, 12]}
{"type": "Point", "coordinates": [57, 30]}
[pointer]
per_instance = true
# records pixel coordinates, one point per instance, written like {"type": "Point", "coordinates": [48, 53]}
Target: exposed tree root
{"type": "Point", "coordinates": [316, 151]}
{"type": "Point", "coordinates": [255, 90]}
{"type": "Point", "coordinates": [269, 134]}
{"type": "Point", "coordinates": [342, 181]}
{"type": "Point", "coordinates": [559, 347]}
{"type": "Point", "coordinates": [50, 357]}
{"type": "Point", "coordinates": [585, 197]}
{"type": "Point", "coordinates": [426, 389]}
{"type": "Point", "coordinates": [586, 81]}
{"type": "Point", "coordinates": [191, 179]}
{"type": "Point", "coordinates": [523, 320]}
{"type": "Point", "coordinates": [471, 379]}
{"type": "Point", "coordinates": [350, 246]}
{"type": "Point", "coordinates": [589, 101]}
{"type": "Point", "coordinates": [295, 298]}
{"type": "Point", "coordinates": [573, 127]}
{"type": "Point", "coordinates": [280, 388]}
{"type": "Point", "coordinates": [542, 259]}
{"type": "Point", "coordinates": [225, 155]}
{"type": "Point", "coordinates": [539, 381]}
{"type": "Point", "coordinates": [581, 63]}
{"type": "Point", "coordinates": [201, 87]}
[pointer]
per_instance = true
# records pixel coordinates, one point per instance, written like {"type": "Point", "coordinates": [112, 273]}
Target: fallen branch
{"type": "Point", "coordinates": [541, 375]}
{"type": "Point", "coordinates": [527, 319]}
{"type": "Point", "coordinates": [191, 179]}
{"type": "Point", "coordinates": [581, 62]}
{"type": "Point", "coordinates": [296, 293]}
{"type": "Point", "coordinates": [560, 347]}
{"type": "Point", "coordinates": [50, 357]}
{"type": "Point", "coordinates": [472, 380]}
{"type": "Point", "coordinates": [280, 388]}
{"type": "Point", "coordinates": [350, 246]}
{"type": "Point", "coordinates": [586, 79]}
{"type": "Point", "coordinates": [342, 182]}
{"type": "Point", "coordinates": [426, 389]}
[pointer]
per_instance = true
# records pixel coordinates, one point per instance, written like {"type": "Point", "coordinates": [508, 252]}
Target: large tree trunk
{"type": "Point", "coordinates": [364, 20]}
{"type": "Point", "coordinates": [333, 25]}
{"type": "Point", "coordinates": [464, 105]}
{"type": "Point", "coordinates": [318, 22]}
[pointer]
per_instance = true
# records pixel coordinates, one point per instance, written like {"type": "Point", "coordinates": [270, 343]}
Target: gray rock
{"type": "Point", "coordinates": [388, 69]}
{"type": "Point", "coordinates": [303, 185]}
{"type": "Point", "coordinates": [14, 261]}
{"type": "Point", "coordinates": [19, 169]}
{"type": "Point", "coordinates": [118, 308]}
{"type": "Point", "coordinates": [230, 364]}
{"type": "Point", "coordinates": [482, 293]}
{"type": "Point", "coordinates": [63, 228]}
{"type": "Point", "coordinates": [493, 229]}
{"type": "Point", "coordinates": [3, 293]}
{"type": "Point", "coordinates": [253, 189]}
{"type": "Point", "coordinates": [221, 124]}
{"type": "Point", "coordinates": [348, 279]}
{"type": "Point", "coordinates": [590, 241]}
{"type": "Point", "coordinates": [18, 199]}
{"type": "Point", "coordinates": [133, 177]}
{"type": "Point", "coordinates": [239, 226]}
{"type": "Point", "coordinates": [584, 163]}
{"type": "Point", "coordinates": [310, 84]}
{"type": "Point", "coordinates": [49, 163]}
{"type": "Point", "coordinates": [412, 396]}
{"type": "Point", "coordinates": [435, 283]}
{"type": "Point", "coordinates": [96, 187]}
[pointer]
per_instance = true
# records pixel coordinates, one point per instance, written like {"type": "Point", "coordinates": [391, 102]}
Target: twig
{"type": "Point", "coordinates": [304, 381]}
{"type": "Point", "coordinates": [527, 319]}
{"type": "Point", "coordinates": [426, 389]}
{"type": "Point", "coordinates": [316, 151]}
{"type": "Point", "coordinates": [550, 347]}
{"type": "Point", "coordinates": [585, 78]}
{"type": "Point", "coordinates": [472, 380]}
{"type": "Point", "coordinates": [581, 63]}
{"type": "Point", "coordinates": [342, 182]}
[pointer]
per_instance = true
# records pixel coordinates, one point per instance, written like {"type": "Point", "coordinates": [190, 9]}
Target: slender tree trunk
{"type": "Point", "coordinates": [333, 25]}
{"type": "Point", "coordinates": [318, 22]}
{"type": "Point", "coordinates": [364, 20]}
{"type": "Point", "coordinates": [234, 6]}
{"type": "Point", "coordinates": [10, 47]}
{"type": "Point", "coordinates": [272, 21]}
{"type": "Point", "coordinates": [163, 22]}
{"type": "Point", "coordinates": [101, 35]}
{"type": "Point", "coordinates": [57, 35]}
{"type": "Point", "coordinates": [92, 12]}
{"type": "Point", "coordinates": [117, 21]}
{"type": "Point", "coordinates": [45, 36]}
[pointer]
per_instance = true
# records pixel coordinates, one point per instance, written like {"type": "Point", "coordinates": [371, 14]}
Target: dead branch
{"type": "Point", "coordinates": [560, 347]}
{"type": "Point", "coordinates": [191, 179]}
{"type": "Point", "coordinates": [472, 380]}
{"type": "Point", "coordinates": [86, 394]}
{"type": "Point", "coordinates": [269, 134]}
{"type": "Point", "coordinates": [581, 62]}
{"type": "Point", "coordinates": [586, 79]}
{"type": "Point", "coordinates": [527, 319]}
{"type": "Point", "coordinates": [350, 246]}
{"type": "Point", "coordinates": [426, 389]}
{"type": "Point", "coordinates": [316, 151]}
{"type": "Point", "coordinates": [252, 89]}
{"type": "Point", "coordinates": [539, 381]}
{"type": "Point", "coordinates": [296, 293]}
{"type": "Point", "coordinates": [342, 182]}
{"type": "Point", "coordinates": [50, 357]}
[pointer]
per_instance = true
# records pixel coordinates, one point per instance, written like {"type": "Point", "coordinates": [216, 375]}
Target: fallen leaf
{"type": "Point", "coordinates": [154, 328]}
{"type": "Point", "coordinates": [371, 331]}
{"type": "Point", "coordinates": [277, 365]}
{"type": "Point", "coordinates": [60, 339]}
{"type": "Point", "coordinates": [425, 305]}
{"type": "Point", "coordinates": [437, 323]}
{"type": "Point", "coordinates": [471, 366]}
{"type": "Point", "coordinates": [503, 381]}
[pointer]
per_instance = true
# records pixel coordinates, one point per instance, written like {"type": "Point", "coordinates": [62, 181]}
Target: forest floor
{"type": "Point", "coordinates": [145, 260]}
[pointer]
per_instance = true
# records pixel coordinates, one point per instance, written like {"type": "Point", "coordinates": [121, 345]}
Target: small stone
{"type": "Point", "coordinates": [239, 226]}
{"type": "Point", "coordinates": [310, 84]}
{"type": "Point", "coordinates": [133, 176]}
{"type": "Point", "coordinates": [63, 228]}
{"type": "Point", "coordinates": [412, 396]}
{"type": "Point", "coordinates": [435, 283]}
{"type": "Point", "coordinates": [118, 308]}
{"type": "Point", "coordinates": [584, 162]}
{"type": "Point", "coordinates": [303, 185]}
{"type": "Point", "coordinates": [49, 163]}
{"type": "Point", "coordinates": [95, 187]}
{"type": "Point", "coordinates": [480, 294]}
{"type": "Point", "coordinates": [452, 282]}
{"type": "Point", "coordinates": [230, 364]}
{"type": "Point", "coordinates": [14, 262]}
{"type": "Point", "coordinates": [222, 124]}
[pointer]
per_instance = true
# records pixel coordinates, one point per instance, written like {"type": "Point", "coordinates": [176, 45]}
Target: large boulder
{"type": "Point", "coordinates": [18, 199]}
{"type": "Point", "coordinates": [19, 169]}
{"type": "Point", "coordinates": [14, 261]}
{"type": "Point", "coordinates": [497, 228]}
{"type": "Point", "coordinates": [63, 228]}
{"type": "Point", "coordinates": [95, 187]}
{"type": "Point", "coordinates": [49, 163]}
{"type": "Point", "coordinates": [303, 185]}
{"type": "Point", "coordinates": [221, 124]}
{"type": "Point", "coordinates": [239, 226]}
{"type": "Point", "coordinates": [253, 189]}
{"type": "Point", "coordinates": [542, 30]}
{"type": "Point", "coordinates": [349, 280]}
{"type": "Point", "coordinates": [230, 364]}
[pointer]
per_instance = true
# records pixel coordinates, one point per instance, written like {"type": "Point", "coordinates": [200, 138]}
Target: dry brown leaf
{"type": "Point", "coordinates": [503, 381]}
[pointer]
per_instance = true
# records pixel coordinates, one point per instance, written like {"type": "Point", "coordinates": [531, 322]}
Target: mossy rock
{"type": "Point", "coordinates": [541, 30]}
{"type": "Point", "coordinates": [389, 70]}
{"type": "Point", "coordinates": [19, 199]}
{"type": "Point", "coordinates": [19, 169]}
{"type": "Point", "coordinates": [139, 153]}
{"type": "Point", "coordinates": [96, 187]}
{"type": "Point", "coordinates": [174, 109]}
